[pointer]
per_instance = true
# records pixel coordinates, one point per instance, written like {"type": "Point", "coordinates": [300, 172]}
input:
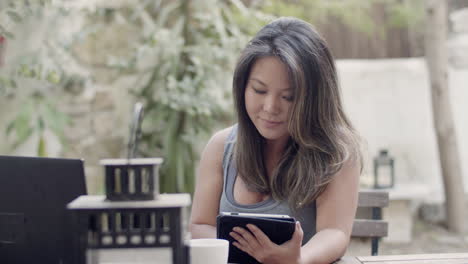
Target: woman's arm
{"type": "Point", "coordinates": [336, 210]}
{"type": "Point", "coordinates": [208, 187]}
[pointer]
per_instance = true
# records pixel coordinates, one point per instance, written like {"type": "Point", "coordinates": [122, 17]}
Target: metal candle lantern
{"type": "Point", "coordinates": [384, 170]}
{"type": "Point", "coordinates": [132, 214]}
{"type": "Point", "coordinates": [133, 179]}
{"type": "Point", "coordinates": [101, 225]}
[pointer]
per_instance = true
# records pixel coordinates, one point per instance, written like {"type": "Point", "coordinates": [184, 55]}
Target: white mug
{"type": "Point", "coordinates": [208, 251]}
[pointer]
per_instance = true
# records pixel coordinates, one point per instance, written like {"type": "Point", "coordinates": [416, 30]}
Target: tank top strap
{"type": "Point", "coordinates": [229, 147]}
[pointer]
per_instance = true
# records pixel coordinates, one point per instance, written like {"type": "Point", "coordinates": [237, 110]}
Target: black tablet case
{"type": "Point", "coordinates": [279, 230]}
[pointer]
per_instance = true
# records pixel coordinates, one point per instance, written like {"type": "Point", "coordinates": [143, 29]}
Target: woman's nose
{"type": "Point", "coordinates": [271, 105]}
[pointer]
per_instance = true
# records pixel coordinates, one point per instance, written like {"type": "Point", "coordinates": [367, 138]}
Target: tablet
{"type": "Point", "coordinates": [279, 228]}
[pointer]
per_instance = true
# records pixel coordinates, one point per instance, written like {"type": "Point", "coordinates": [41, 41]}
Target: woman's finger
{"type": "Point", "coordinates": [240, 239]}
{"type": "Point", "coordinates": [247, 236]}
{"type": "Point", "coordinates": [298, 234]}
{"type": "Point", "coordinates": [259, 235]}
{"type": "Point", "coordinates": [243, 248]}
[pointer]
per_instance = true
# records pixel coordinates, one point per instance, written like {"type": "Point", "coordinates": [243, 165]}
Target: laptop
{"type": "Point", "coordinates": [35, 226]}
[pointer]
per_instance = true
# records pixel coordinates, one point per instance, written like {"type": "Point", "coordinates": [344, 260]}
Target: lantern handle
{"type": "Point", "coordinates": [135, 130]}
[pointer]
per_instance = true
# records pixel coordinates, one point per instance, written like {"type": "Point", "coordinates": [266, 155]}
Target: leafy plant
{"type": "Point", "coordinates": [187, 91]}
{"type": "Point", "coordinates": [32, 75]}
{"type": "Point", "coordinates": [181, 55]}
{"type": "Point", "coordinates": [37, 114]}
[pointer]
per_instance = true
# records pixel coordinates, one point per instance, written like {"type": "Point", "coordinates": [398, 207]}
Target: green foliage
{"type": "Point", "coordinates": [181, 54]}
{"type": "Point", "coordinates": [37, 114]}
{"type": "Point", "coordinates": [13, 12]}
{"type": "Point", "coordinates": [351, 12]}
{"type": "Point", "coordinates": [35, 73]}
{"type": "Point", "coordinates": [248, 20]}
{"type": "Point", "coordinates": [186, 91]}
{"type": "Point", "coordinates": [407, 13]}
{"type": "Point", "coordinates": [355, 13]}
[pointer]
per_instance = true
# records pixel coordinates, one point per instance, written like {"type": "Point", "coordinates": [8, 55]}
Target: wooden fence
{"type": "Point", "coordinates": [385, 41]}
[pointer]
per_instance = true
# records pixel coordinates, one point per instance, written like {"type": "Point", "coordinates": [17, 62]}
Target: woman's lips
{"type": "Point", "coordinates": [270, 124]}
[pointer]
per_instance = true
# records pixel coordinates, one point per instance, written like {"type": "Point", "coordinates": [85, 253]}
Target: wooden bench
{"type": "Point", "coordinates": [374, 228]}
{"type": "Point", "coordinates": [405, 198]}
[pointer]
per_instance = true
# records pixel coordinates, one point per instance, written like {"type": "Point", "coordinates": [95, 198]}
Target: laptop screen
{"type": "Point", "coordinates": [35, 226]}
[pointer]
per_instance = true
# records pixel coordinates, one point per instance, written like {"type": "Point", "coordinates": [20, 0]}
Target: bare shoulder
{"type": "Point", "coordinates": [217, 141]}
{"type": "Point", "coordinates": [350, 169]}
{"type": "Point", "coordinates": [345, 182]}
{"type": "Point", "coordinates": [221, 135]}
{"type": "Point", "coordinates": [209, 184]}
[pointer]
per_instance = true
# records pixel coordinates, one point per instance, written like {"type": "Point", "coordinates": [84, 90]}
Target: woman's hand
{"type": "Point", "coordinates": [259, 246]}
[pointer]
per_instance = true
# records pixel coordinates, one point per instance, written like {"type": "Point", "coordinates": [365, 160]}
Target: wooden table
{"type": "Point", "coordinates": [446, 258]}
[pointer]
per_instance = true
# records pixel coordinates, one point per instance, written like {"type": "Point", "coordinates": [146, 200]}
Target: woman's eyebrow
{"type": "Point", "coordinates": [264, 84]}
{"type": "Point", "coordinates": [257, 80]}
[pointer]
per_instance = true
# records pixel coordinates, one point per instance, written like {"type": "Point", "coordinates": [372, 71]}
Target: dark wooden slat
{"type": "Point", "coordinates": [369, 228]}
{"type": "Point", "coordinates": [373, 198]}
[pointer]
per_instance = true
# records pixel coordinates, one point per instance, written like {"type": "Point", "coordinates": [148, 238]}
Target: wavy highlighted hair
{"type": "Point", "coordinates": [322, 138]}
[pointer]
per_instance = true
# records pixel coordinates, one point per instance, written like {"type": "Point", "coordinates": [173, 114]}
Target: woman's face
{"type": "Point", "coordinates": [268, 97]}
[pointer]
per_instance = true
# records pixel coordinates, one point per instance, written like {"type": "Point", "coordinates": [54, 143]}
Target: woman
{"type": "Point", "coordinates": [292, 152]}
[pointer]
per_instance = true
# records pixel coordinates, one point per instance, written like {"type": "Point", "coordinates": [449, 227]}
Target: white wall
{"type": "Point", "coordinates": [389, 102]}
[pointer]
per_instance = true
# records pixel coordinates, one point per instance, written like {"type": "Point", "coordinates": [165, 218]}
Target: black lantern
{"type": "Point", "coordinates": [384, 170]}
{"type": "Point", "coordinates": [132, 179]}
{"type": "Point", "coordinates": [101, 225]}
{"type": "Point", "coordinates": [132, 214]}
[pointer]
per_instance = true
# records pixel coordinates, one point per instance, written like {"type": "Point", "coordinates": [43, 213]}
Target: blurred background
{"type": "Point", "coordinates": [71, 71]}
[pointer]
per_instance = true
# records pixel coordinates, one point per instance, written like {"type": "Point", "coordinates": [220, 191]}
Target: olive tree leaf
{"type": "Point", "coordinates": [42, 147]}
{"type": "Point", "coordinates": [14, 16]}
{"type": "Point", "coordinates": [21, 125]}
{"type": "Point", "coordinates": [55, 120]}
{"type": "Point", "coordinates": [8, 35]}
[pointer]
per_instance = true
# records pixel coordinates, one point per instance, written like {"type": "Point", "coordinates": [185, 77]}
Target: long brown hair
{"type": "Point", "coordinates": [321, 136]}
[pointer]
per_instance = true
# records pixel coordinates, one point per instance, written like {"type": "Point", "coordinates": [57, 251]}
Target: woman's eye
{"type": "Point", "coordinates": [259, 91]}
{"type": "Point", "coordinates": [288, 98]}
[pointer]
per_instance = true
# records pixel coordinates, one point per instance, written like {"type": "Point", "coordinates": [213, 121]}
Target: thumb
{"type": "Point", "coordinates": [298, 234]}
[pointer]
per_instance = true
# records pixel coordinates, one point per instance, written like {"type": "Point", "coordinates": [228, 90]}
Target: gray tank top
{"type": "Point", "coordinates": [306, 215]}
